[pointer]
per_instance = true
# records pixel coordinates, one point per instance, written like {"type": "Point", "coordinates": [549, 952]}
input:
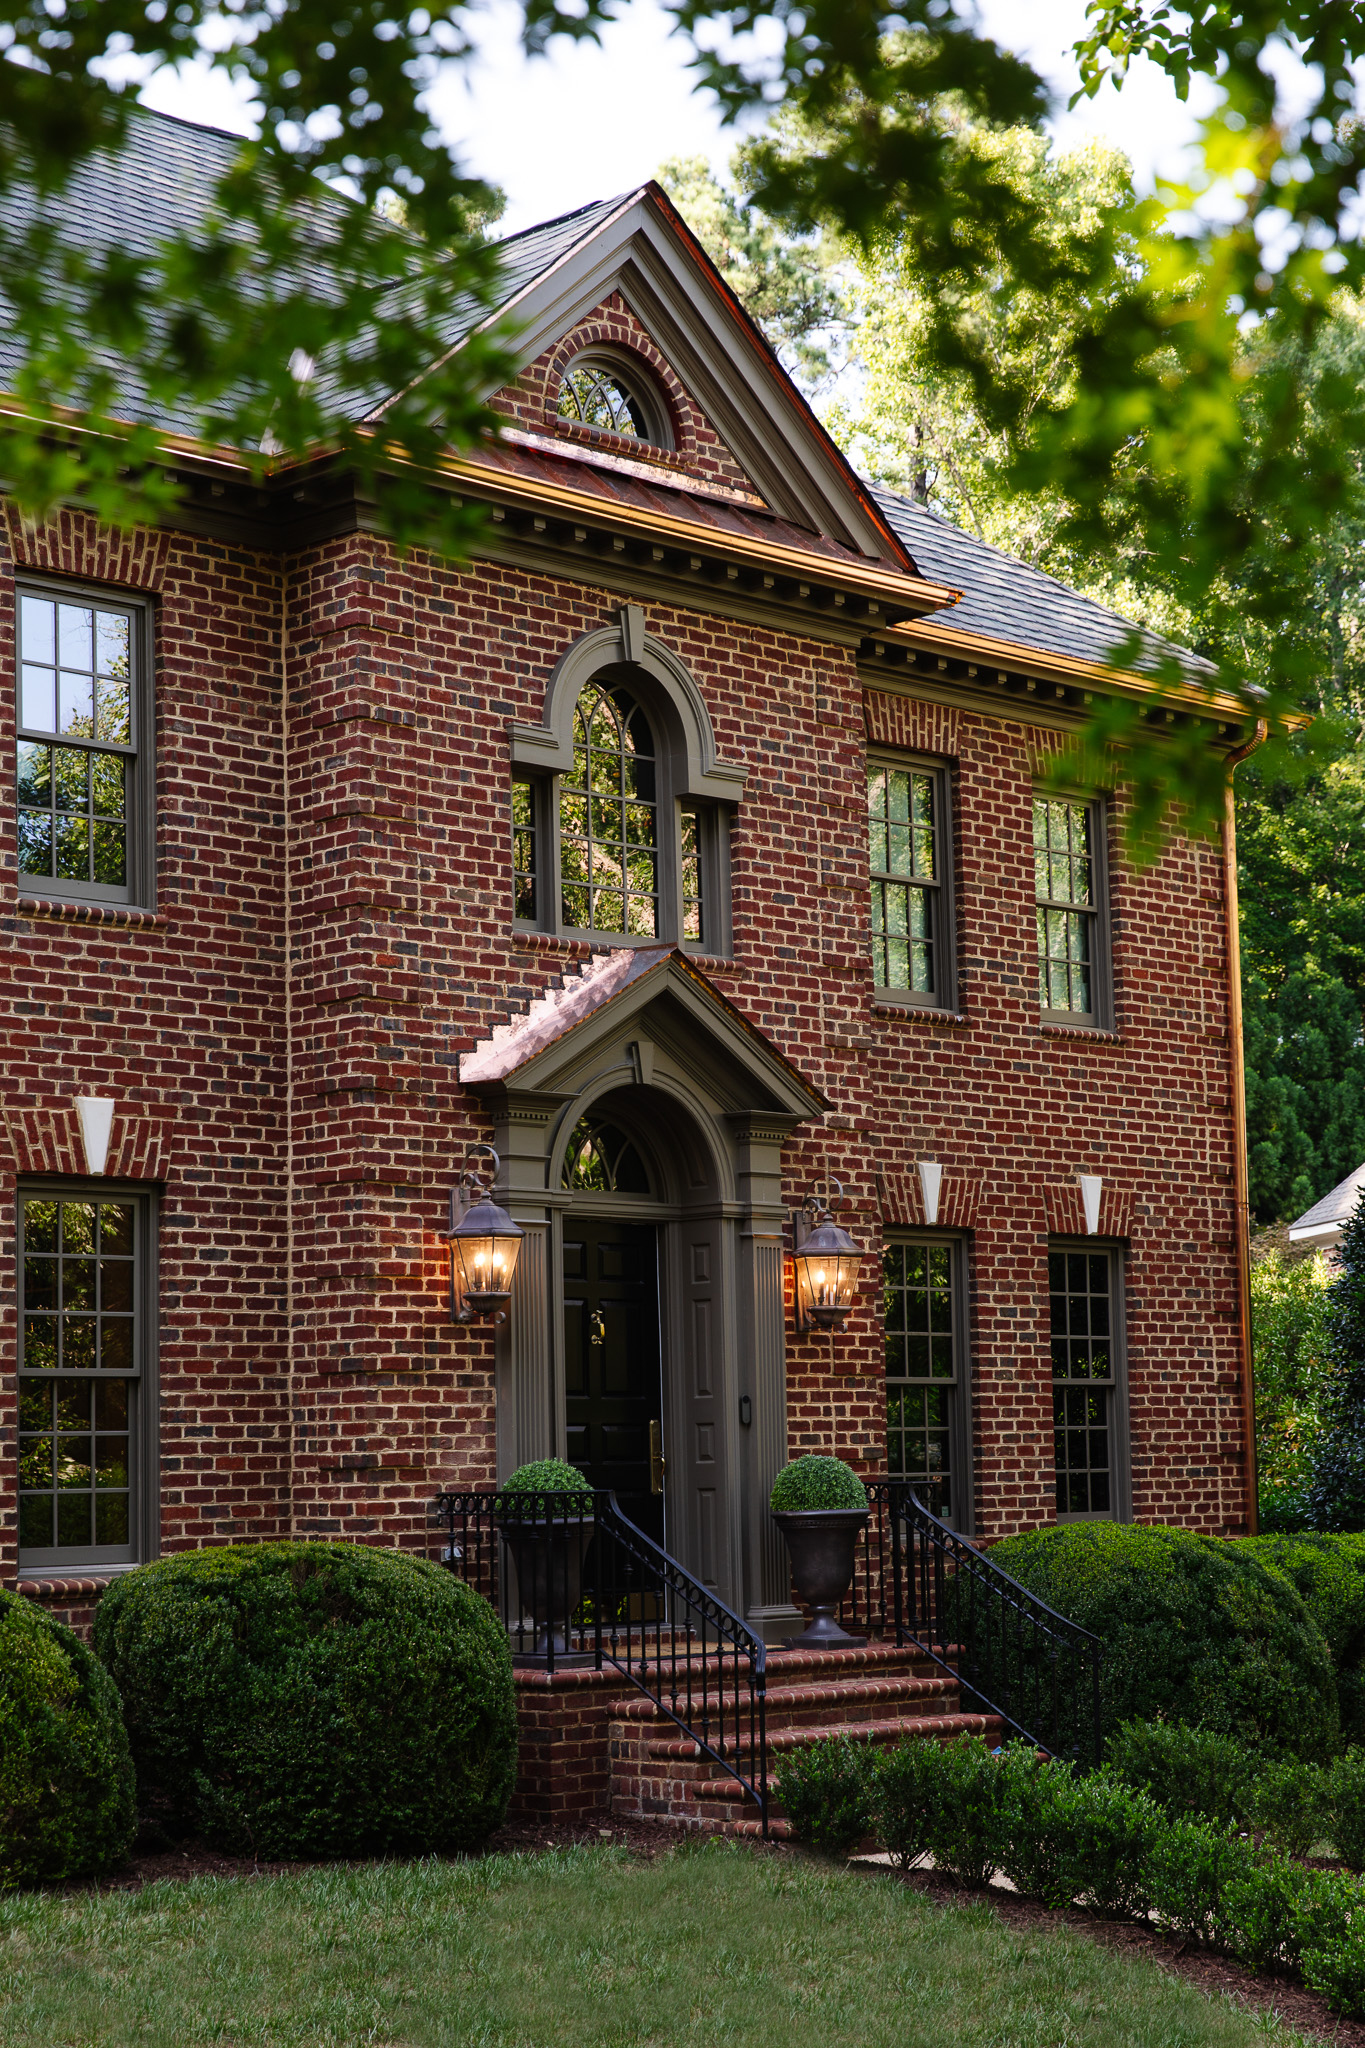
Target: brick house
{"type": "Point", "coordinates": [686, 847]}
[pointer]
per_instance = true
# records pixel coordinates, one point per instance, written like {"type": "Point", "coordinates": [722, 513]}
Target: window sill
{"type": "Point", "coordinates": [120, 915]}
{"type": "Point", "coordinates": [1095, 1033]}
{"type": "Point", "coordinates": [918, 1013]}
{"type": "Point", "coordinates": [37, 1586]}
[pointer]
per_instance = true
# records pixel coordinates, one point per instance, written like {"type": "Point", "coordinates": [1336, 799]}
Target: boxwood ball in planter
{"type": "Point", "coordinates": [545, 1512]}
{"type": "Point", "coordinates": [315, 1699]}
{"type": "Point", "coordinates": [820, 1505]}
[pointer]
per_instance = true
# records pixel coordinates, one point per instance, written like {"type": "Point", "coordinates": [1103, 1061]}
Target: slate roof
{"type": "Point", "coordinates": [165, 182]}
{"type": "Point", "coordinates": [1328, 1215]}
{"type": "Point", "coordinates": [1006, 599]}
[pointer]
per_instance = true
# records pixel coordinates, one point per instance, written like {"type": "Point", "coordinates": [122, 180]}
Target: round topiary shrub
{"type": "Point", "coordinates": [315, 1699]}
{"type": "Point", "coordinates": [528, 1485]}
{"type": "Point", "coordinates": [1194, 1629]}
{"type": "Point", "coordinates": [809, 1484]}
{"type": "Point", "coordinates": [67, 1804]}
{"type": "Point", "coordinates": [1328, 1573]}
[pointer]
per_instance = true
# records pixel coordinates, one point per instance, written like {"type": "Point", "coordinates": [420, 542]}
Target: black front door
{"type": "Point", "coordinates": [611, 1351]}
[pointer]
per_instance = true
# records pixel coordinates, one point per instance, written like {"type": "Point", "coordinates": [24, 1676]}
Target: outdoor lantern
{"type": "Point", "coordinates": [484, 1242]}
{"type": "Point", "coordinates": [826, 1262]}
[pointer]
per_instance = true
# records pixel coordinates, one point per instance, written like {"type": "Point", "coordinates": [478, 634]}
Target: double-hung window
{"type": "Point", "coordinates": [84, 768]}
{"type": "Point", "coordinates": [910, 869]}
{"type": "Point", "coordinates": [1089, 1388]}
{"type": "Point", "coordinates": [1070, 885]}
{"type": "Point", "coordinates": [87, 1422]}
{"type": "Point", "coordinates": [928, 1404]}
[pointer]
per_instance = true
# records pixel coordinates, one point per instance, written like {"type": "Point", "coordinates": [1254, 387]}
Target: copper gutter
{"type": "Point", "coordinates": [1241, 1177]}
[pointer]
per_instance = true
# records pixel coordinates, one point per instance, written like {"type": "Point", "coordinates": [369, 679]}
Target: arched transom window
{"type": "Point", "coordinates": [596, 392]}
{"type": "Point", "coordinates": [601, 1159]}
{"type": "Point", "coordinates": [608, 818]}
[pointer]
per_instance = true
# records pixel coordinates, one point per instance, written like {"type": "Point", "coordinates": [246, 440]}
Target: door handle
{"type": "Point", "coordinates": [597, 1327]}
{"type": "Point", "coordinates": [658, 1464]}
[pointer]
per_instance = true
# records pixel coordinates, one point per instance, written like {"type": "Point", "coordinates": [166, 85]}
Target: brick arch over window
{"type": "Point", "coordinates": [699, 771]}
{"type": "Point", "coordinates": [608, 339]}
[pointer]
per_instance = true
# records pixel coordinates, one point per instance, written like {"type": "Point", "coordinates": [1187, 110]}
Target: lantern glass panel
{"type": "Point", "coordinates": [487, 1262]}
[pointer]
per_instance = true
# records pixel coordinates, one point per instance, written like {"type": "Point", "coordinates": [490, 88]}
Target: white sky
{"type": "Point", "coordinates": [586, 122]}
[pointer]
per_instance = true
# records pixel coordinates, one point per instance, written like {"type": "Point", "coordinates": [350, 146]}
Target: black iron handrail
{"type": "Point", "coordinates": [587, 1587]}
{"type": "Point", "coordinates": [917, 1580]}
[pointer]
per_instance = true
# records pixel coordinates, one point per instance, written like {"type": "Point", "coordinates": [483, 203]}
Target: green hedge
{"type": "Point", "coordinates": [300, 1699]}
{"type": "Point", "coordinates": [67, 1805]}
{"type": "Point", "coordinates": [1328, 1573]}
{"type": "Point", "coordinates": [1194, 1629]}
{"type": "Point", "coordinates": [1094, 1841]}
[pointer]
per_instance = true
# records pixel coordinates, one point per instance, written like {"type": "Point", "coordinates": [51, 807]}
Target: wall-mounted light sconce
{"type": "Point", "coordinates": [825, 1259]}
{"type": "Point", "coordinates": [96, 1114]}
{"type": "Point", "coordinates": [484, 1243]}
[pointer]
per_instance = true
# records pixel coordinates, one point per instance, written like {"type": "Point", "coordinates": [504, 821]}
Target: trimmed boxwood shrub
{"type": "Point", "coordinates": [315, 1699]}
{"type": "Point", "coordinates": [826, 1793]}
{"type": "Point", "coordinates": [67, 1804]}
{"type": "Point", "coordinates": [1194, 1629]}
{"type": "Point", "coordinates": [1191, 1773]}
{"type": "Point", "coordinates": [809, 1484]}
{"type": "Point", "coordinates": [529, 1484]}
{"type": "Point", "coordinates": [1328, 1573]}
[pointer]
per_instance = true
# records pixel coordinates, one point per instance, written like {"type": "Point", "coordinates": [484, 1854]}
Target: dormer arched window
{"type": "Point", "coordinates": [602, 391]}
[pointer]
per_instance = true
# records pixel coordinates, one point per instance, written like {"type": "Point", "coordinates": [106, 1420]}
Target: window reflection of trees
{"type": "Point", "coordinates": [608, 818]}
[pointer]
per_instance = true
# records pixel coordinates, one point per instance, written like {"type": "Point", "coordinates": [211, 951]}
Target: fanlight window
{"type": "Point", "coordinates": [597, 395]}
{"type": "Point", "coordinates": [602, 1160]}
{"type": "Point", "coordinates": [608, 818]}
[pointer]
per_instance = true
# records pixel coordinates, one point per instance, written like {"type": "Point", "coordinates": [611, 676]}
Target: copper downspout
{"type": "Point", "coordinates": [1240, 1172]}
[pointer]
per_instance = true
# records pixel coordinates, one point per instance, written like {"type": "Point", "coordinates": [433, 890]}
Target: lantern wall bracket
{"type": "Point", "coordinates": [482, 1242]}
{"type": "Point", "coordinates": [814, 1230]}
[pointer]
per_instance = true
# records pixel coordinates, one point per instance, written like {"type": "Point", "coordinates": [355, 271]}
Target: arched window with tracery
{"type": "Point", "coordinates": [603, 1160]}
{"type": "Point", "coordinates": [609, 817]}
{"type": "Point", "coordinates": [598, 391]}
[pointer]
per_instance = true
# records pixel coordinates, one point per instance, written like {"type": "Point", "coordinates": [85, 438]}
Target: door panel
{"type": "Point", "coordinates": [613, 1388]}
{"type": "Point", "coordinates": [697, 1478]}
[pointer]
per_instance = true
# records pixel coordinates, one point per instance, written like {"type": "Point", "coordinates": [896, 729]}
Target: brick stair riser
{"type": "Point", "coordinates": [791, 1706]}
{"type": "Point", "coordinates": [692, 1793]}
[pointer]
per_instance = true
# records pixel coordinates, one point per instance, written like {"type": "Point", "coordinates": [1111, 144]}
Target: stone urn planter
{"type": "Point", "coordinates": [820, 1505]}
{"type": "Point", "coordinates": [547, 1543]}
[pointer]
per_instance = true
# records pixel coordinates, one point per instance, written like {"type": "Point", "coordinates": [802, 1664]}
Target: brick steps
{"type": "Point", "coordinates": [879, 1694]}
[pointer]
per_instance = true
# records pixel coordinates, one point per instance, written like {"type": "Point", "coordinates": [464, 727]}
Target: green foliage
{"type": "Point", "coordinates": [1291, 1805]}
{"type": "Point", "coordinates": [1346, 1800]}
{"type": "Point", "coordinates": [967, 1825]}
{"type": "Point", "coordinates": [1263, 1909]}
{"type": "Point", "coordinates": [1040, 1801]}
{"type": "Point", "coordinates": [1336, 1969]}
{"type": "Point", "coordinates": [1113, 1829]}
{"type": "Point", "coordinates": [299, 1699]}
{"type": "Point", "coordinates": [1190, 1773]}
{"type": "Point", "coordinates": [1328, 1573]}
{"type": "Point", "coordinates": [792, 289]}
{"type": "Point", "coordinates": [1336, 1487]}
{"type": "Point", "coordinates": [67, 1806]}
{"type": "Point", "coordinates": [1194, 1629]}
{"type": "Point", "coordinates": [826, 1792]}
{"type": "Point", "coordinates": [812, 1483]}
{"type": "Point", "coordinates": [1191, 1868]}
{"type": "Point", "coordinates": [905, 1794]}
{"type": "Point", "coordinates": [529, 1484]}
{"type": "Point", "coordinates": [1289, 1344]}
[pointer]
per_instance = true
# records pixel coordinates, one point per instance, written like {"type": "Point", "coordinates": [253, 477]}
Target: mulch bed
{"type": "Point", "coordinates": [154, 1859]}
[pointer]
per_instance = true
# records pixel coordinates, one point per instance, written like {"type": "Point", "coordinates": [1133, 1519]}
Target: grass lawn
{"type": "Point", "coordinates": [583, 1948]}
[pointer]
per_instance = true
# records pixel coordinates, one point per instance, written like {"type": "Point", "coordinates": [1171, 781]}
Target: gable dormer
{"type": "Point", "coordinates": [605, 387]}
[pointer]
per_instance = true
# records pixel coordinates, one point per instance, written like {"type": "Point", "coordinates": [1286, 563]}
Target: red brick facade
{"type": "Point", "coordinates": [332, 929]}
